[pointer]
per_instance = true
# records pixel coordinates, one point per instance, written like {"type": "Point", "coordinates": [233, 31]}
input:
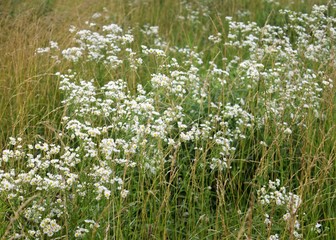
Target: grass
{"type": "Point", "coordinates": [232, 141]}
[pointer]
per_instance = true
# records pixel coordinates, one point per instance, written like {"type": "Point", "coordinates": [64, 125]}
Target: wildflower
{"type": "Point", "coordinates": [274, 237]}
{"type": "Point", "coordinates": [215, 38]}
{"type": "Point", "coordinates": [124, 193]}
{"type": "Point", "coordinates": [288, 131]}
{"type": "Point", "coordinates": [317, 228]}
{"type": "Point", "coordinates": [80, 232]}
{"type": "Point", "coordinates": [49, 226]}
{"type": "Point", "coordinates": [96, 15]}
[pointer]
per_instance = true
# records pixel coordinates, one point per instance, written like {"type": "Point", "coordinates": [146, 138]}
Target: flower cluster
{"type": "Point", "coordinates": [273, 197]}
{"type": "Point", "coordinates": [49, 226]}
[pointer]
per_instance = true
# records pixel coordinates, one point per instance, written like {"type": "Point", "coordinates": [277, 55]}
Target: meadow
{"type": "Point", "coordinates": [167, 119]}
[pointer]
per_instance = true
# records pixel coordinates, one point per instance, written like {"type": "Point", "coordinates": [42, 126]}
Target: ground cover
{"type": "Point", "coordinates": [167, 120]}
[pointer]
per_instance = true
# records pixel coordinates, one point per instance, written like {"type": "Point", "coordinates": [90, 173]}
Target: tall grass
{"type": "Point", "coordinates": [183, 134]}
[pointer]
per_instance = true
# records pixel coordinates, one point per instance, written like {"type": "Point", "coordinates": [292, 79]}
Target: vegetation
{"type": "Point", "coordinates": [167, 119]}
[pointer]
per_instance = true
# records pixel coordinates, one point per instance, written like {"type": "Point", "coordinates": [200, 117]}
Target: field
{"type": "Point", "coordinates": [167, 119]}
